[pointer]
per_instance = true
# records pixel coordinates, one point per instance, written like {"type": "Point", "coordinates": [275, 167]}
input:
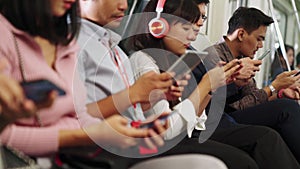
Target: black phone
{"type": "Point", "coordinates": [151, 124]}
{"type": "Point", "coordinates": [186, 63]}
{"type": "Point", "coordinates": [162, 119]}
{"type": "Point", "coordinates": [38, 90]}
{"type": "Point", "coordinates": [297, 73]}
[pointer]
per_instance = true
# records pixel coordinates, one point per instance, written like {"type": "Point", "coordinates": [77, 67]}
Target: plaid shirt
{"type": "Point", "coordinates": [239, 98]}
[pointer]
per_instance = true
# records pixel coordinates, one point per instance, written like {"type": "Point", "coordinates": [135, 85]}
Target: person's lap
{"type": "Point", "coordinates": [263, 144]}
{"type": "Point", "coordinates": [283, 115]}
{"type": "Point", "coordinates": [231, 156]}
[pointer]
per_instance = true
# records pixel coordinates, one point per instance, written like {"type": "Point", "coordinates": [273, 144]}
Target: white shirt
{"type": "Point", "coordinates": [185, 118]}
{"type": "Point", "coordinates": [97, 60]}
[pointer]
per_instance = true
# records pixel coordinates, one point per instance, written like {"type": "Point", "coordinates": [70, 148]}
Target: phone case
{"type": "Point", "coordinates": [38, 90]}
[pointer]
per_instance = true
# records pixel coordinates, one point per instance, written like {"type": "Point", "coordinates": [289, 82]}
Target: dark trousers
{"type": "Point", "coordinates": [80, 158]}
{"type": "Point", "coordinates": [283, 115]}
{"type": "Point", "coordinates": [233, 157]}
{"type": "Point", "coordinates": [263, 144]}
{"type": "Point", "coordinates": [238, 146]}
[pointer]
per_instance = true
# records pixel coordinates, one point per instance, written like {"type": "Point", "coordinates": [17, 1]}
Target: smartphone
{"type": "Point", "coordinates": [261, 57]}
{"type": "Point", "coordinates": [150, 124]}
{"type": "Point", "coordinates": [38, 90]}
{"type": "Point", "coordinates": [297, 73]}
{"type": "Point", "coordinates": [186, 63]}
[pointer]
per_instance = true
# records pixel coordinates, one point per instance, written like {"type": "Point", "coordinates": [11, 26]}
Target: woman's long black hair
{"type": "Point", "coordinates": [174, 11]}
{"type": "Point", "coordinates": [36, 18]}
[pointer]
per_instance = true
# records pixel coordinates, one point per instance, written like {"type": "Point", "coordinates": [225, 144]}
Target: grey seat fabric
{"type": "Point", "coordinates": [189, 161]}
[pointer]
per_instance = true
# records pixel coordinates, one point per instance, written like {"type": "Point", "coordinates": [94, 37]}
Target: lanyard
{"type": "Point", "coordinates": [121, 69]}
{"type": "Point", "coordinates": [139, 115]}
{"type": "Point", "coordinates": [38, 120]}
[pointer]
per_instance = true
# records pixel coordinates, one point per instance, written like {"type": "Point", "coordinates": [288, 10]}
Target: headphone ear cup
{"type": "Point", "coordinates": [158, 27]}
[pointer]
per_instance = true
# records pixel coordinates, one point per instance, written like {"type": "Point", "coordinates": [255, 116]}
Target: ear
{"type": "Point", "coordinates": [241, 34]}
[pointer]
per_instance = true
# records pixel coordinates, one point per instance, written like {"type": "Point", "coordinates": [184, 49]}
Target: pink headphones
{"type": "Point", "coordinates": [158, 26]}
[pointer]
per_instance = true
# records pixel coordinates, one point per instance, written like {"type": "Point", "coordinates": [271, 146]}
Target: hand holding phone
{"type": "Point", "coordinates": [149, 123]}
{"type": "Point", "coordinates": [297, 73]}
{"type": "Point", "coordinates": [38, 90]}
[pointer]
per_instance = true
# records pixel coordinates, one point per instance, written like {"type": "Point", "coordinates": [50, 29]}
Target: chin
{"type": "Point", "coordinates": [179, 53]}
{"type": "Point", "coordinates": [113, 24]}
{"type": "Point", "coordinates": [59, 13]}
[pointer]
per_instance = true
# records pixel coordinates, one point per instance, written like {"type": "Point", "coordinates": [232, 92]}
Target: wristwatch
{"type": "Point", "coordinates": [272, 89]}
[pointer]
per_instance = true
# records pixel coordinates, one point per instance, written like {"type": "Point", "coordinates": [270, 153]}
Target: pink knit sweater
{"type": "Point", "coordinates": [25, 135]}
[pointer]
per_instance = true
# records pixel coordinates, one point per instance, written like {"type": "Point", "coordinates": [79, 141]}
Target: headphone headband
{"type": "Point", "coordinates": [160, 6]}
{"type": "Point", "coordinates": [158, 26]}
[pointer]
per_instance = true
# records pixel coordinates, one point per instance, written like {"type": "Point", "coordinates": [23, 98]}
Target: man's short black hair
{"type": "Point", "coordinates": [248, 18]}
{"type": "Point", "coordinates": [201, 1]}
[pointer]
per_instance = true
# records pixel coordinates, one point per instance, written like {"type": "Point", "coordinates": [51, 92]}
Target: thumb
{"type": "Point", "coordinates": [288, 73]}
{"type": "Point", "coordinates": [257, 62]}
{"type": "Point", "coordinates": [293, 72]}
{"type": "Point", "coordinates": [221, 63]}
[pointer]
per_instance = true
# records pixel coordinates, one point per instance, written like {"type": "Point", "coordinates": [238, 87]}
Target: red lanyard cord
{"type": "Point", "coordinates": [118, 62]}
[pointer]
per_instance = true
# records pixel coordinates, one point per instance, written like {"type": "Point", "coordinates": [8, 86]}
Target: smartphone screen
{"type": "Point", "coordinates": [186, 63]}
{"type": "Point", "coordinates": [38, 90]}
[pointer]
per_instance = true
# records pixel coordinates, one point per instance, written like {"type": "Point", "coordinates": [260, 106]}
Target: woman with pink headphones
{"type": "Point", "coordinates": [163, 40]}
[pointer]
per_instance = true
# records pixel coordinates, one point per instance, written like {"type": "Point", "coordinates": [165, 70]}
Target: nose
{"type": "Point", "coordinates": [123, 5]}
{"type": "Point", "coordinates": [200, 22]}
{"type": "Point", "coordinates": [260, 44]}
{"type": "Point", "coordinates": [192, 35]}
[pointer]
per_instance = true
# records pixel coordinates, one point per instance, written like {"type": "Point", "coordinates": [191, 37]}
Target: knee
{"type": "Point", "coordinates": [287, 105]}
{"type": "Point", "coordinates": [243, 161]}
{"type": "Point", "coordinates": [269, 135]}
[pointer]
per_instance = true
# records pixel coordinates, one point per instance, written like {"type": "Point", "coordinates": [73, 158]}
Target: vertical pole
{"type": "Point", "coordinates": [129, 18]}
{"type": "Point", "coordinates": [296, 13]}
{"type": "Point", "coordinates": [278, 33]}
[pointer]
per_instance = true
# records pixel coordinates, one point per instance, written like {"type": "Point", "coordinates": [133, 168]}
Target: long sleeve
{"type": "Point", "coordinates": [183, 116]}
{"type": "Point", "coordinates": [240, 98]}
{"type": "Point", "coordinates": [37, 141]}
{"type": "Point", "coordinates": [250, 96]}
{"type": "Point", "coordinates": [25, 134]}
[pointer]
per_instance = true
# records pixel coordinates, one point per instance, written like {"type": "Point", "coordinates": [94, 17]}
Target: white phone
{"type": "Point", "coordinates": [264, 55]}
{"type": "Point", "coordinates": [186, 63]}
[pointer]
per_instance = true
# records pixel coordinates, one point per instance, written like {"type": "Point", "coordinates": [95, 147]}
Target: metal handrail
{"type": "Point", "coordinates": [296, 13]}
{"type": "Point", "coordinates": [278, 33]}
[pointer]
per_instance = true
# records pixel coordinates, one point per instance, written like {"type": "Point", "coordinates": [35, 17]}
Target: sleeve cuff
{"type": "Point", "coordinates": [187, 112]}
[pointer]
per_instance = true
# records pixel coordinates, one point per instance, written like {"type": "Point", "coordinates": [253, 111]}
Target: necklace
{"type": "Point", "coordinates": [38, 120]}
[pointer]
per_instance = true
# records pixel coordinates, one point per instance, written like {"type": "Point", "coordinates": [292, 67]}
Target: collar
{"type": "Point", "coordinates": [101, 33]}
{"type": "Point", "coordinates": [224, 45]}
